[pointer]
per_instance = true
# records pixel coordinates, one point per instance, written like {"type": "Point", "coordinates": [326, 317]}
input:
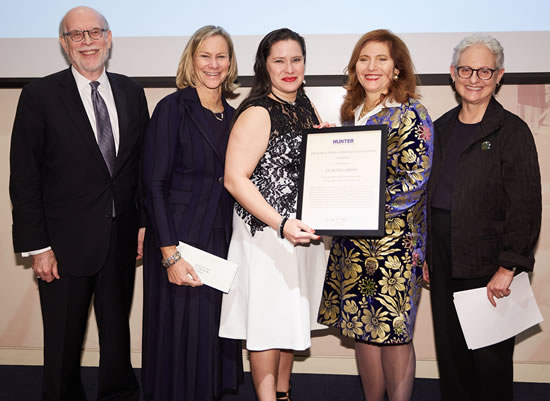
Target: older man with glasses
{"type": "Point", "coordinates": [75, 152]}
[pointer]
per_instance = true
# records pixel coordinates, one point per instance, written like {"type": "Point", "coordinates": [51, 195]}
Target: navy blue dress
{"type": "Point", "coordinates": [184, 155]}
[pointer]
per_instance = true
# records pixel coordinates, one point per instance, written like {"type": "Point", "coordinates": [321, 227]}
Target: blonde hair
{"type": "Point", "coordinates": [186, 74]}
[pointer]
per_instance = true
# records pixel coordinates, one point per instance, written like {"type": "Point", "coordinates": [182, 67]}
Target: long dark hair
{"type": "Point", "coordinates": [261, 86]}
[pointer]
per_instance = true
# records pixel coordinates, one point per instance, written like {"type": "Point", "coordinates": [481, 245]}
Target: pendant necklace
{"type": "Point", "coordinates": [219, 116]}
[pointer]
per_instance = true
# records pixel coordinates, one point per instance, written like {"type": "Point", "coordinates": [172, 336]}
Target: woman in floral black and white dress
{"type": "Point", "coordinates": [275, 296]}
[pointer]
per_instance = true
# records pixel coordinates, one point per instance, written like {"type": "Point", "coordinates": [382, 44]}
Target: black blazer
{"type": "Point", "coordinates": [60, 186]}
{"type": "Point", "coordinates": [496, 204]}
{"type": "Point", "coordinates": [183, 172]}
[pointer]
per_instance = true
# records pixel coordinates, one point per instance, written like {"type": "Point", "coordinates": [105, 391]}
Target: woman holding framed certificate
{"type": "Point", "coordinates": [275, 296]}
{"type": "Point", "coordinates": [372, 285]}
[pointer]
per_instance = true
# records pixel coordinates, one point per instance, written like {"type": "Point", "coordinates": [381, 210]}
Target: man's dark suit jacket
{"type": "Point", "coordinates": [60, 186]}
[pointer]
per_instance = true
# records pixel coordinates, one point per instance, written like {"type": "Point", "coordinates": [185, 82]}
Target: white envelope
{"type": "Point", "coordinates": [212, 270]}
{"type": "Point", "coordinates": [483, 324]}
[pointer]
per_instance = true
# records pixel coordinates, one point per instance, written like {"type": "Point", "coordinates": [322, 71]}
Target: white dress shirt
{"type": "Point", "coordinates": [104, 88]}
{"type": "Point", "coordinates": [376, 110]}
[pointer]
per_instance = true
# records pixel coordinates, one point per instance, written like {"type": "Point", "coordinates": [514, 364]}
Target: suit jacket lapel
{"type": "Point", "coordinates": [121, 107]}
{"type": "Point", "coordinates": [70, 98]}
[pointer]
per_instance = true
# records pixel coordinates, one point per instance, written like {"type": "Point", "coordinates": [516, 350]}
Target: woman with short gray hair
{"type": "Point", "coordinates": [484, 203]}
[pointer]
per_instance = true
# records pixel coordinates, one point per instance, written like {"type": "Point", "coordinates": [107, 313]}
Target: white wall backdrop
{"type": "Point", "coordinates": [150, 36]}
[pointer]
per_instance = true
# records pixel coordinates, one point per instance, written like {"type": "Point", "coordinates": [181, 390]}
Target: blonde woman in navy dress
{"type": "Point", "coordinates": [372, 285]}
{"type": "Point", "coordinates": [184, 155]}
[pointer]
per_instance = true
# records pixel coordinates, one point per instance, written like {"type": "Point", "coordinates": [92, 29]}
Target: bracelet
{"type": "Point", "coordinates": [282, 227]}
{"type": "Point", "coordinates": [171, 260]}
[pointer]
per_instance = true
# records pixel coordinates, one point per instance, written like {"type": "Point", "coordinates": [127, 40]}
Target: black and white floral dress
{"type": "Point", "coordinates": [275, 297]}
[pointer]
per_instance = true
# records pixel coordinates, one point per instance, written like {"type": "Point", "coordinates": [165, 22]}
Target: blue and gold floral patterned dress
{"type": "Point", "coordinates": [372, 285]}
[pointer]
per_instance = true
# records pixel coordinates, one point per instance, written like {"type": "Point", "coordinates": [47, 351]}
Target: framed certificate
{"type": "Point", "coordinates": [343, 180]}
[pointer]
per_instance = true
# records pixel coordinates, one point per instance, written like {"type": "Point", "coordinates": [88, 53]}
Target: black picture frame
{"type": "Point", "coordinates": [322, 206]}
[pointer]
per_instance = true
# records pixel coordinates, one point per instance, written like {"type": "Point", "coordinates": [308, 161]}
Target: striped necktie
{"type": "Point", "coordinates": [104, 131]}
{"type": "Point", "coordinates": [105, 138]}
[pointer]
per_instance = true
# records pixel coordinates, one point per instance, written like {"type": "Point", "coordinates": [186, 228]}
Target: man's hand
{"type": "Point", "coordinates": [44, 266]}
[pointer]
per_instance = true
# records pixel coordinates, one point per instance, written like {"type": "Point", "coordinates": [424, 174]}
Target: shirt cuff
{"type": "Point", "coordinates": [35, 252]}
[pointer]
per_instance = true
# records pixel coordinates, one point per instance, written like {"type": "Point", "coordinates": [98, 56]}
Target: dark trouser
{"type": "Point", "coordinates": [484, 374]}
{"type": "Point", "coordinates": [65, 305]}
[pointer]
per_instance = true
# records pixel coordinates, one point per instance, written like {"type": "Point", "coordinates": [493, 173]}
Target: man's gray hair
{"type": "Point", "coordinates": [104, 21]}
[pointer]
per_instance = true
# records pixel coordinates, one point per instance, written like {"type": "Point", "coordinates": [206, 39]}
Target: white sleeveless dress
{"type": "Point", "coordinates": [274, 300]}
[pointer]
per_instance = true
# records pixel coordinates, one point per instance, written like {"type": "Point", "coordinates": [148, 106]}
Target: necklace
{"type": "Point", "coordinates": [211, 108]}
{"type": "Point", "coordinates": [283, 100]}
{"type": "Point", "coordinates": [365, 110]}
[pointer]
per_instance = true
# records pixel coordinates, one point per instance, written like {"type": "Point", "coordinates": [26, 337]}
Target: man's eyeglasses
{"type": "Point", "coordinates": [482, 73]}
{"type": "Point", "coordinates": [78, 36]}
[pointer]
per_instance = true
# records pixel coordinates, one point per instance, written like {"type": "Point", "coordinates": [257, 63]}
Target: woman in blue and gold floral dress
{"type": "Point", "coordinates": [372, 285]}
